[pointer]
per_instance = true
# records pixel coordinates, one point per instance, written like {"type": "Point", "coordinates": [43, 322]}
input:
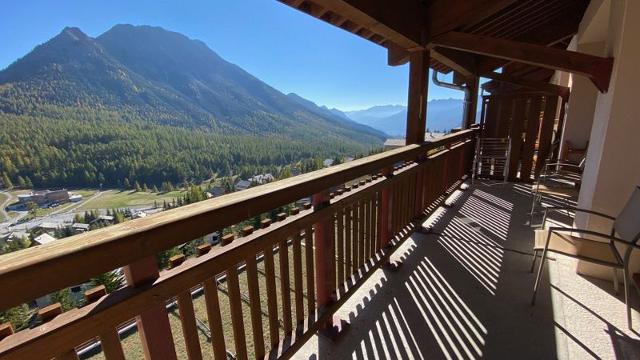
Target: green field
{"type": "Point", "coordinates": [110, 199]}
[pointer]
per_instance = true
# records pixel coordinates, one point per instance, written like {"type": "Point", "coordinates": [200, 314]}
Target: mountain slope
{"type": "Point", "coordinates": [162, 77]}
{"type": "Point", "coordinates": [142, 104]}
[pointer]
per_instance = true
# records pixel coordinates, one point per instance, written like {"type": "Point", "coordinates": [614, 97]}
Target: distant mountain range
{"type": "Point", "coordinates": [165, 78]}
{"type": "Point", "coordinates": [442, 115]}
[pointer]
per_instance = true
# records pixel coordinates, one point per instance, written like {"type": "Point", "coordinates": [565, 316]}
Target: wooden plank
{"type": "Point", "coordinates": [68, 355]}
{"type": "Point", "coordinates": [310, 271]}
{"type": "Point", "coordinates": [256, 307]}
{"type": "Point", "coordinates": [111, 346]}
{"type": "Point", "coordinates": [297, 278]}
{"type": "Point", "coordinates": [546, 132]}
{"type": "Point", "coordinates": [533, 125]}
{"type": "Point", "coordinates": [464, 64]}
{"type": "Point", "coordinates": [340, 246]}
{"type": "Point", "coordinates": [361, 234]}
{"type": "Point", "coordinates": [597, 69]}
{"type": "Point", "coordinates": [447, 15]}
{"type": "Point", "coordinates": [189, 327]}
{"type": "Point", "coordinates": [515, 133]}
{"type": "Point", "coordinates": [348, 242]}
{"type": "Point", "coordinates": [72, 260]}
{"type": "Point", "coordinates": [215, 319]}
{"type": "Point", "coordinates": [417, 100]}
{"type": "Point", "coordinates": [552, 89]}
{"type": "Point", "coordinates": [272, 296]}
{"type": "Point", "coordinates": [506, 110]}
{"type": "Point", "coordinates": [401, 26]}
{"type": "Point", "coordinates": [285, 285]}
{"type": "Point", "coordinates": [237, 319]}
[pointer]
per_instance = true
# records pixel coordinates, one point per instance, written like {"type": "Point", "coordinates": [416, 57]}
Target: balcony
{"type": "Point", "coordinates": [248, 296]}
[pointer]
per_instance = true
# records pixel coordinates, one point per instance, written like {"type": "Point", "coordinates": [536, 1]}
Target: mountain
{"type": "Point", "coordinates": [163, 77]}
{"type": "Point", "coordinates": [143, 104]}
{"type": "Point", "coordinates": [442, 115]}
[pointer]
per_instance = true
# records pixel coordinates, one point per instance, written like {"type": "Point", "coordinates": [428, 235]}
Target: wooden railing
{"type": "Point", "coordinates": [285, 280]}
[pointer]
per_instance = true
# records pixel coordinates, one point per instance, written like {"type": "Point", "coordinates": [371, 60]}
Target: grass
{"type": "Point", "coordinates": [110, 199]}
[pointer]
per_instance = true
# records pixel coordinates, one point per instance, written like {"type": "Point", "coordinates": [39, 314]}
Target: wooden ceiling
{"type": "Point", "coordinates": [407, 25]}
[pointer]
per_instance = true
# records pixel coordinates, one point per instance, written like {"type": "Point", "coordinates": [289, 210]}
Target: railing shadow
{"type": "Point", "coordinates": [463, 292]}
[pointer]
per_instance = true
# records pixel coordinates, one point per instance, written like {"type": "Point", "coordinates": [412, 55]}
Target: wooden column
{"type": "Point", "coordinates": [153, 324]}
{"type": "Point", "coordinates": [324, 255]}
{"type": "Point", "coordinates": [473, 85]}
{"type": "Point", "coordinates": [417, 101]}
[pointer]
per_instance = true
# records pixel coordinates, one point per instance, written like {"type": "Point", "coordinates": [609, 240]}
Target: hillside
{"type": "Point", "coordinates": [118, 95]}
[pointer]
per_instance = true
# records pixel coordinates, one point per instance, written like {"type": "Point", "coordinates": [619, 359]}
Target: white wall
{"type": "Point", "coordinates": [613, 159]}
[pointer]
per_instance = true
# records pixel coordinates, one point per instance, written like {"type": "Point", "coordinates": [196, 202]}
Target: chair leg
{"type": "Point", "coordinates": [625, 283]}
{"type": "Point", "coordinates": [533, 263]}
{"type": "Point", "coordinates": [538, 277]}
{"type": "Point", "coordinates": [615, 280]}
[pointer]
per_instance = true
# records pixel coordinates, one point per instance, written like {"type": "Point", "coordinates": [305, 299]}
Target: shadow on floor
{"type": "Point", "coordinates": [463, 292]}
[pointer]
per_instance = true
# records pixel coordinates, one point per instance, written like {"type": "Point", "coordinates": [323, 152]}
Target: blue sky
{"type": "Point", "coordinates": [287, 49]}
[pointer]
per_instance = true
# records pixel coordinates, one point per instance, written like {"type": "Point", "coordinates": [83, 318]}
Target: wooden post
{"type": "Point", "coordinates": [419, 187]}
{"type": "Point", "coordinates": [153, 323]}
{"type": "Point", "coordinates": [471, 101]}
{"type": "Point", "coordinates": [417, 101]}
{"type": "Point", "coordinates": [324, 259]}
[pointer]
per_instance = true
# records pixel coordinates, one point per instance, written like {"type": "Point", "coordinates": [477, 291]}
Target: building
{"type": "Point", "coordinates": [44, 197]}
{"type": "Point", "coordinates": [78, 228]}
{"type": "Point", "coordinates": [261, 179]}
{"type": "Point", "coordinates": [242, 185]}
{"type": "Point", "coordinates": [43, 239]}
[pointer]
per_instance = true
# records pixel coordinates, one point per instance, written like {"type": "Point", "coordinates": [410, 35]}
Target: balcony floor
{"type": "Point", "coordinates": [464, 291]}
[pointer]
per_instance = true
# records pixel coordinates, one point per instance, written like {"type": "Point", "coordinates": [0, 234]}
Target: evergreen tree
{"type": "Point", "coordinates": [111, 281]}
{"type": "Point", "coordinates": [65, 299]}
{"type": "Point", "coordinates": [6, 182]}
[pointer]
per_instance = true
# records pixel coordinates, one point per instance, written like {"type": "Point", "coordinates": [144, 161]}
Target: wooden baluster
{"type": "Point", "coordinates": [385, 222]}
{"type": "Point", "coordinates": [189, 328]}
{"type": "Point", "coordinates": [285, 286]}
{"type": "Point", "coordinates": [340, 245]}
{"type": "Point", "coordinates": [215, 320]}
{"type": "Point", "coordinates": [365, 232]}
{"type": "Point", "coordinates": [272, 297]}
{"type": "Point", "coordinates": [372, 225]}
{"type": "Point", "coordinates": [153, 324]}
{"type": "Point", "coordinates": [348, 242]}
{"type": "Point", "coordinates": [355, 220]}
{"type": "Point", "coordinates": [237, 319]}
{"type": "Point", "coordinates": [311, 290]}
{"type": "Point", "coordinates": [297, 278]}
{"type": "Point", "coordinates": [111, 346]}
{"type": "Point", "coordinates": [256, 306]}
{"type": "Point", "coordinates": [324, 256]}
{"type": "Point", "coordinates": [361, 234]}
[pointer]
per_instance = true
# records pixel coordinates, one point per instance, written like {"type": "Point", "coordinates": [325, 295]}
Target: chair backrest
{"type": "Point", "coordinates": [627, 224]}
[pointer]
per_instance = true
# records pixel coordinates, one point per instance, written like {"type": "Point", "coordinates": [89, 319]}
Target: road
{"type": "Point", "coordinates": [3, 213]}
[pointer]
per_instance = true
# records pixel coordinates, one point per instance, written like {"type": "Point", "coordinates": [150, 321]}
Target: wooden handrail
{"type": "Point", "coordinates": [40, 270]}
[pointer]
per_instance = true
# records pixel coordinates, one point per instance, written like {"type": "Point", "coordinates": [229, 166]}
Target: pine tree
{"type": "Point", "coordinates": [21, 182]}
{"type": "Point", "coordinates": [6, 182]}
{"type": "Point", "coordinates": [65, 299]}
{"type": "Point", "coordinates": [155, 189]}
{"type": "Point", "coordinates": [111, 281]}
{"type": "Point", "coordinates": [137, 186]}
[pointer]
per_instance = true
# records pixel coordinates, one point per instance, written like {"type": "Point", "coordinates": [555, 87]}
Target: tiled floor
{"type": "Point", "coordinates": [464, 292]}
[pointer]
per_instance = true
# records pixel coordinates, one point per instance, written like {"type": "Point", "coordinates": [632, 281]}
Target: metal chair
{"type": "Point", "coordinates": [559, 182]}
{"type": "Point", "coordinates": [592, 246]}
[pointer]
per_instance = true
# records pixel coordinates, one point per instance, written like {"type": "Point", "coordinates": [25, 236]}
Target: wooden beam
{"type": "Point", "coordinates": [396, 55]}
{"type": "Point", "coordinates": [597, 69]}
{"type": "Point", "coordinates": [472, 102]}
{"type": "Point", "coordinates": [553, 89]}
{"type": "Point", "coordinates": [447, 15]}
{"type": "Point", "coordinates": [402, 26]}
{"type": "Point", "coordinates": [417, 102]}
{"type": "Point", "coordinates": [460, 62]}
